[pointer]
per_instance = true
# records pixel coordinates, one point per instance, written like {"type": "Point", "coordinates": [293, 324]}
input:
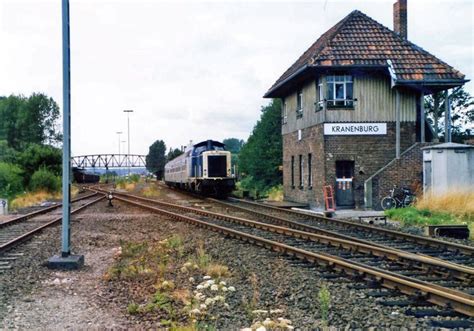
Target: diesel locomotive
{"type": "Point", "coordinates": [204, 168]}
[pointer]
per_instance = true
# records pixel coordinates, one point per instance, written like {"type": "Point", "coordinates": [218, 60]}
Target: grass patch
{"type": "Point", "coordinates": [217, 271]}
{"type": "Point", "coordinates": [151, 191]}
{"type": "Point", "coordinates": [29, 199]}
{"type": "Point", "coordinates": [455, 207]}
{"type": "Point", "coordinates": [457, 203]}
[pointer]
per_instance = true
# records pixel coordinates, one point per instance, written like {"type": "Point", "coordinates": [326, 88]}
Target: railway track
{"type": "Point", "coordinates": [431, 280]}
{"type": "Point", "coordinates": [424, 246]}
{"type": "Point", "coordinates": [23, 227]}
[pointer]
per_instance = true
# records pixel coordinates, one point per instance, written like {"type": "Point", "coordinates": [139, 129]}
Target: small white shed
{"type": "Point", "coordinates": [448, 166]}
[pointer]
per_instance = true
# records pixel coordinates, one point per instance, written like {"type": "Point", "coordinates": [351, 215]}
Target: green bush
{"type": "Point", "coordinates": [134, 178]}
{"type": "Point", "coordinates": [11, 180]}
{"type": "Point", "coordinates": [44, 179]}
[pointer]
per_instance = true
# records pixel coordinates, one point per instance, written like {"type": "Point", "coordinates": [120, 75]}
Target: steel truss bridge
{"type": "Point", "coordinates": [109, 161]}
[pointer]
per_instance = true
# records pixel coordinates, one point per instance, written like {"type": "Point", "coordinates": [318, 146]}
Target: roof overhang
{"type": "Point", "coordinates": [287, 86]}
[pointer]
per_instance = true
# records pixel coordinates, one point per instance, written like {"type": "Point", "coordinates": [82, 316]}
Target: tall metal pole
{"type": "Point", "coordinates": [397, 124]}
{"type": "Point", "coordinates": [66, 231]}
{"type": "Point", "coordinates": [66, 260]}
{"type": "Point", "coordinates": [447, 119]}
{"type": "Point", "coordinates": [128, 124]}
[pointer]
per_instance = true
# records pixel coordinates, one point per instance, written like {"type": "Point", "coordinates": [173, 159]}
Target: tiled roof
{"type": "Point", "coordinates": [358, 40]}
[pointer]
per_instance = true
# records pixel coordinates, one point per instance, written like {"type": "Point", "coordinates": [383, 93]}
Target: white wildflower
{"type": "Point", "coordinates": [187, 264]}
{"type": "Point", "coordinates": [203, 306]}
{"type": "Point", "coordinates": [226, 305]}
{"type": "Point", "coordinates": [209, 301]}
{"type": "Point", "coordinates": [262, 328]}
{"type": "Point", "coordinates": [214, 288]}
{"type": "Point", "coordinates": [200, 287]}
{"type": "Point", "coordinates": [219, 298]}
{"type": "Point", "coordinates": [205, 285]}
{"type": "Point", "coordinates": [224, 289]}
{"type": "Point", "coordinates": [276, 311]}
{"type": "Point", "coordinates": [191, 279]}
{"type": "Point", "coordinates": [246, 329]}
{"type": "Point", "coordinates": [222, 283]}
{"type": "Point", "coordinates": [211, 282]}
{"type": "Point", "coordinates": [290, 327]}
{"type": "Point", "coordinates": [231, 288]}
{"type": "Point", "coordinates": [206, 277]}
{"type": "Point", "coordinates": [195, 311]}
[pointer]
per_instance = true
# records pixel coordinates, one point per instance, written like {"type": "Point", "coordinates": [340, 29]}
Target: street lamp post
{"type": "Point", "coordinates": [122, 142]}
{"type": "Point", "coordinates": [128, 111]}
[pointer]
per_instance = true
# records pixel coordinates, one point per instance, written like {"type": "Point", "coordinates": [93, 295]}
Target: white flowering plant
{"type": "Point", "coordinates": [208, 301]}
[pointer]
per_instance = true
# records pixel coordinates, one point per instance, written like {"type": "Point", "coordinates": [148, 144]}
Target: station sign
{"type": "Point", "coordinates": [355, 129]}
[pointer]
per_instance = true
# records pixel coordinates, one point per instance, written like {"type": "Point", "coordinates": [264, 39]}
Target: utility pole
{"type": "Point", "coordinates": [128, 124]}
{"type": "Point", "coordinates": [66, 260]}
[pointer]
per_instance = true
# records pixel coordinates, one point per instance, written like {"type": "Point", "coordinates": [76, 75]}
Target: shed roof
{"type": "Point", "coordinates": [449, 146]}
{"type": "Point", "coordinates": [360, 41]}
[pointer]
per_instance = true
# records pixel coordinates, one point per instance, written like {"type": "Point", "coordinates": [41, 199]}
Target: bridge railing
{"type": "Point", "coordinates": [109, 161]}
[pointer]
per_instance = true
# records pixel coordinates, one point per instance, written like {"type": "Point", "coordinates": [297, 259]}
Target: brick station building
{"type": "Point", "coordinates": [353, 114]}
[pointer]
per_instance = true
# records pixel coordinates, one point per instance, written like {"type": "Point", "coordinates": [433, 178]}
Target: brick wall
{"type": "Point", "coordinates": [369, 153]}
{"type": "Point", "coordinates": [312, 141]}
{"type": "Point", "coordinates": [407, 171]}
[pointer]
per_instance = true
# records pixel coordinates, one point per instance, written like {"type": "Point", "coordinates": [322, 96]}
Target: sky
{"type": "Point", "coordinates": [190, 70]}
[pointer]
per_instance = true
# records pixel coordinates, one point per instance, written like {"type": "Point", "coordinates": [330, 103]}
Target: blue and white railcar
{"type": "Point", "coordinates": [204, 168]}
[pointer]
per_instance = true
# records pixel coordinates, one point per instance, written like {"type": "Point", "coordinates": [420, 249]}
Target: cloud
{"type": "Point", "coordinates": [190, 70]}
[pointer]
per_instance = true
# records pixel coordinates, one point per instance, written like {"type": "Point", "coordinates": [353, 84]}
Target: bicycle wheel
{"type": "Point", "coordinates": [388, 203]}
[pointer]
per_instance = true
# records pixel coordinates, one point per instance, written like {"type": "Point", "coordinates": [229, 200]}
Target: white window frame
{"type": "Point", "coordinates": [299, 103]}
{"type": "Point", "coordinates": [285, 112]}
{"type": "Point", "coordinates": [319, 95]}
{"type": "Point", "coordinates": [331, 80]}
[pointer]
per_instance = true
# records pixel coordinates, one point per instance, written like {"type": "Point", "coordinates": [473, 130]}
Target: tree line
{"type": "Point", "coordinates": [257, 160]}
{"type": "Point", "coordinates": [29, 136]}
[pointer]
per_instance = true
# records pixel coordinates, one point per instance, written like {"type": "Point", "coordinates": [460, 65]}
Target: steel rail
{"type": "Point", "coordinates": [458, 271]}
{"type": "Point", "coordinates": [432, 293]}
{"type": "Point", "coordinates": [40, 212]}
{"type": "Point", "coordinates": [28, 234]}
{"type": "Point", "coordinates": [469, 250]}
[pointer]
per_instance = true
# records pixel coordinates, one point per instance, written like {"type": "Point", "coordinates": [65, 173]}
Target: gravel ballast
{"type": "Point", "coordinates": [33, 296]}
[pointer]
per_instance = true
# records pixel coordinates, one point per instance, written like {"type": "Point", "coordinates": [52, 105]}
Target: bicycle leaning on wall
{"type": "Point", "coordinates": [394, 200]}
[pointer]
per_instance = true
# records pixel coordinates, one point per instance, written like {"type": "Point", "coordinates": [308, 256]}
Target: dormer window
{"type": "Point", "coordinates": [299, 103]}
{"type": "Point", "coordinates": [340, 91]}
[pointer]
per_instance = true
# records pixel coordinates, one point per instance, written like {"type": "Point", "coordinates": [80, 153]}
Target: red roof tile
{"type": "Point", "coordinates": [360, 40]}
